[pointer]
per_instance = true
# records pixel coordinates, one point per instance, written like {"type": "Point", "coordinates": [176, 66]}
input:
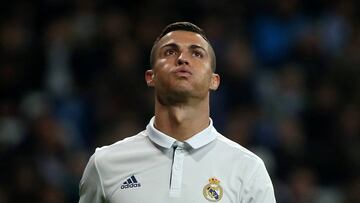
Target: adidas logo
{"type": "Point", "coordinates": [130, 183]}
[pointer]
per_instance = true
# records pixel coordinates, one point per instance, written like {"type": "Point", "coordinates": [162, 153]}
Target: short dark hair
{"type": "Point", "coordinates": [183, 26]}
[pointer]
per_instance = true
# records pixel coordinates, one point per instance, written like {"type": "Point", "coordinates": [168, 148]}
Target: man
{"type": "Point", "coordinates": [180, 157]}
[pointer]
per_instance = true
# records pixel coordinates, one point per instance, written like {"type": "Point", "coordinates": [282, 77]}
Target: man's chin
{"type": "Point", "coordinates": [174, 97]}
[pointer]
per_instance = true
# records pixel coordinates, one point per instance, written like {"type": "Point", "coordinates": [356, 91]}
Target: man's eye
{"type": "Point", "coordinates": [170, 52]}
{"type": "Point", "coordinates": [198, 54]}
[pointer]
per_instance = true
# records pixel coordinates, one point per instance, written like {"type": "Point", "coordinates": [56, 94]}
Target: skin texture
{"type": "Point", "coordinates": [182, 78]}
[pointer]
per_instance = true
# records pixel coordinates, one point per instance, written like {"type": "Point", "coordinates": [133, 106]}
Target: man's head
{"type": "Point", "coordinates": [182, 65]}
{"type": "Point", "coordinates": [183, 26]}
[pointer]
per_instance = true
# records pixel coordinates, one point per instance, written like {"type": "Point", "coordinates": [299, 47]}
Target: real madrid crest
{"type": "Point", "coordinates": [213, 191]}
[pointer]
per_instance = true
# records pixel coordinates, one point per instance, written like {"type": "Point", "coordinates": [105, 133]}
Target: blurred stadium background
{"type": "Point", "coordinates": [71, 79]}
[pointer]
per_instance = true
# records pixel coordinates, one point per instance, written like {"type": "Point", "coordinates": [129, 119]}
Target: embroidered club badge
{"type": "Point", "coordinates": [213, 191]}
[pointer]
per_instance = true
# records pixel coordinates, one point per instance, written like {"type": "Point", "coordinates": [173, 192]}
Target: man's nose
{"type": "Point", "coordinates": [182, 59]}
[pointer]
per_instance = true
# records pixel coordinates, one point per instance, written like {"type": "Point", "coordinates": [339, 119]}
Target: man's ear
{"type": "Point", "coordinates": [149, 78]}
{"type": "Point", "coordinates": [215, 81]}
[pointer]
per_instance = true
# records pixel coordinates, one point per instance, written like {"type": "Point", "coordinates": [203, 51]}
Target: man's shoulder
{"type": "Point", "coordinates": [130, 143]}
{"type": "Point", "coordinates": [236, 149]}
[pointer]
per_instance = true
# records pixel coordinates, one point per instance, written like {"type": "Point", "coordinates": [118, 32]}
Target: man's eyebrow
{"type": "Point", "coordinates": [195, 46]}
{"type": "Point", "coordinates": [172, 45]}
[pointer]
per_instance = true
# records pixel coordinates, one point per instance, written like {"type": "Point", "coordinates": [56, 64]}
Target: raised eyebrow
{"type": "Point", "coordinates": [171, 45]}
{"type": "Point", "coordinates": [194, 46]}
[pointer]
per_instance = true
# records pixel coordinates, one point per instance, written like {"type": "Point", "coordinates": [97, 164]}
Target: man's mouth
{"type": "Point", "coordinates": [183, 72]}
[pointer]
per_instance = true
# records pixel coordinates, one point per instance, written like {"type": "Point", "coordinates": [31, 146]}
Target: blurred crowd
{"type": "Point", "coordinates": [72, 79]}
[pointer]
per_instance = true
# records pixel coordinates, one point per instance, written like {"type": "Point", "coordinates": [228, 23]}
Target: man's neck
{"type": "Point", "coordinates": [181, 121]}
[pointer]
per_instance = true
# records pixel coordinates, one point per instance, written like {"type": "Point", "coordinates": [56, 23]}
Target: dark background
{"type": "Point", "coordinates": [72, 79]}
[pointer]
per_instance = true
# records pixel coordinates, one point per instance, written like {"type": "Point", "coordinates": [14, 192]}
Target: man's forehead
{"type": "Point", "coordinates": [180, 36]}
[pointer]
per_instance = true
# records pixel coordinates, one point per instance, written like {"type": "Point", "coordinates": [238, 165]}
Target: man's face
{"type": "Point", "coordinates": [182, 68]}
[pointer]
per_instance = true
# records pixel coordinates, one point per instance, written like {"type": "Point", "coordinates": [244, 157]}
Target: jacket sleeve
{"type": "Point", "coordinates": [91, 187]}
{"type": "Point", "coordinates": [259, 187]}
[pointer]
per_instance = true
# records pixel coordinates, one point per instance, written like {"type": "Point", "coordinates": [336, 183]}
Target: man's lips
{"type": "Point", "coordinates": [183, 71]}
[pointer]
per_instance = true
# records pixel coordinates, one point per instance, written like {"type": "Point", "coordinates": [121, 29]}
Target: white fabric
{"type": "Point", "coordinates": [168, 171]}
